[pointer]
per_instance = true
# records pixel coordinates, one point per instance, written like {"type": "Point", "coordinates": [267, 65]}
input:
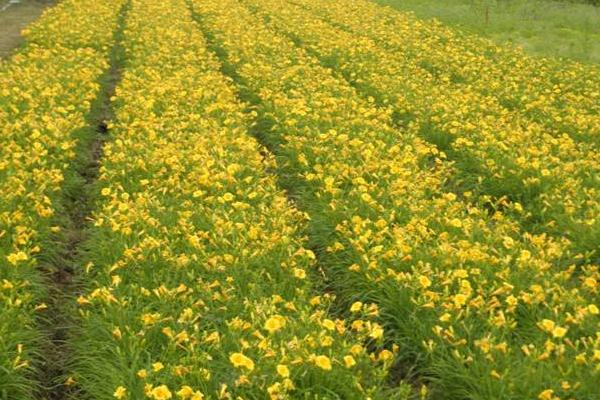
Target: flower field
{"type": "Point", "coordinates": [293, 199]}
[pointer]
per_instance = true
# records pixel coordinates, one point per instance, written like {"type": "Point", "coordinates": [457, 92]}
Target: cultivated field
{"type": "Point", "coordinates": [293, 199]}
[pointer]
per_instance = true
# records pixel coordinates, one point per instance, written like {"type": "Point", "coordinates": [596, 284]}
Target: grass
{"type": "Point", "coordinates": [16, 17]}
{"type": "Point", "coordinates": [546, 28]}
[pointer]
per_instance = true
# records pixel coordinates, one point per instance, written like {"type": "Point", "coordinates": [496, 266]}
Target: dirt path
{"type": "Point", "coordinates": [14, 16]}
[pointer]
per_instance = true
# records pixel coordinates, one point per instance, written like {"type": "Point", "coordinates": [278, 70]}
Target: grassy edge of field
{"type": "Point", "coordinates": [14, 19]}
{"type": "Point", "coordinates": [541, 27]}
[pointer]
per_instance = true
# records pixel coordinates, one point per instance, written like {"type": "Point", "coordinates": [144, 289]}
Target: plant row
{"type": "Point", "coordinates": [48, 87]}
{"type": "Point", "coordinates": [561, 96]}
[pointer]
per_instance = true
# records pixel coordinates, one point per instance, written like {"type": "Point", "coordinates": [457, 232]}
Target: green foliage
{"type": "Point", "coordinates": [548, 28]}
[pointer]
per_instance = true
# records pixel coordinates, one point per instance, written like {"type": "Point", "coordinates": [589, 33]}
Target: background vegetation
{"type": "Point", "coordinates": [547, 28]}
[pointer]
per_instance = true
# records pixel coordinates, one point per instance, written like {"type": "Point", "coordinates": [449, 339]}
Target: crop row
{"type": "Point", "coordinates": [197, 277]}
{"type": "Point", "coordinates": [550, 182]}
{"type": "Point", "coordinates": [562, 96]}
{"type": "Point", "coordinates": [476, 303]}
{"type": "Point", "coordinates": [47, 89]}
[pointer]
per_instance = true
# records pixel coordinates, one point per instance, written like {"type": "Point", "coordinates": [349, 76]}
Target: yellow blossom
{"type": "Point", "coordinates": [120, 392]}
{"type": "Point", "coordinates": [349, 361]}
{"type": "Point", "coordinates": [161, 392]}
{"type": "Point", "coordinates": [356, 306]}
{"type": "Point", "coordinates": [424, 281]}
{"type": "Point", "coordinates": [283, 371]}
{"type": "Point", "coordinates": [323, 362]}
{"type": "Point", "coordinates": [547, 394]}
{"type": "Point", "coordinates": [157, 366]}
{"type": "Point", "coordinates": [299, 273]}
{"type": "Point", "coordinates": [376, 332]}
{"type": "Point", "coordinates": [239, 360]}
{"type": "Point", "coordinates": [328, 324]}
{"type": "Point", "coordinates": [185, 392]}
{"type": "Point", "coordinates": [559, 332]}
{"type": "Point", "coordinates": [275, 323]}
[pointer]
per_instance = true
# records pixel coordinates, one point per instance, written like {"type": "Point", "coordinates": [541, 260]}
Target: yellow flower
{"type": "Point", "coordinates": [288, 384]}
{"type": "Point", "coordinates": [299, 273]}
{"type": "Point", "coordinates": [239, 360]}
{"type": "Point", "coordinates": [323, 362]}
{"type": "Point", "coordinates": [228, 197]}
{"type": "Point", "coordinates": [376, 332]}
{"type": "Point", "coordinates": [120, 393]}
{"type": "Point", "coordinates": [328, 324]}
{"type": "Point", "coordinates": [283, 371]}
{"type": "Point", "coordinates": [356, 349]}
{"type": "Point", "coordinates": [213, 337]}
{"type": "Point", "coordinates": [423, 392]}
{"type": "Point", "coordinates": [546, 394]}
{"type": "Point", "coordinates": [161, 392]}
{"type": "Point", "coordinates": [142, 373]}
{"type": "Point", "coordinates": [157, 366]}
{"type": "Point", "coordinates": [275, 323]}
{"type": "Point", "coordinates": [385, 355]}
{"type": "Point", "coordinates": [150, 319]}
{"type": "Point", "coordinates": [326, 341]}
{"type": "Point", "coordinates": [356, 307]}
{"type": "Point", "coordinates": [349, 361]}
{"type": "Point", "coordinates": [242, 380]}
{"type": "Point", "coordinates": [445, 317]}
{"type": "Point", "coordinates": [456, 223]}
{"type": "Point", "coordinates": [424, 281]}
{"type": "Point", "coordinates": [17, 257]}
{"type": "Point", "coordinates": [460, 300]}
{"type": "Point", "coordinates": [559, 332]}
{"type": "Point", "coordinates": [185, 392]}
{"type": "Point", "coordinates": [117, 333]}
{"type": "Point", "coordinates": [590, 282]}
{"type": "Point", "coordinates": [547, 325]}
{"type": "Point", "coordinates": [274, 391]}
{"type": "Point", "coordinates": [315, 301]}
